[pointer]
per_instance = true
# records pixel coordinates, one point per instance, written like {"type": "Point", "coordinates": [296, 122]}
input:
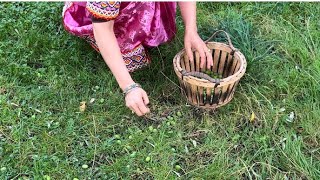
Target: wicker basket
{"type": "Point", "coordinates": [202, 90]}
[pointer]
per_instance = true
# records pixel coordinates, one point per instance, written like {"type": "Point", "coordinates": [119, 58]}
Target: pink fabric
{"type": "Point", "coordinates": [146, 23]}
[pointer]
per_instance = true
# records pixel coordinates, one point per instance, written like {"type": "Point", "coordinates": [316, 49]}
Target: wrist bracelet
{"type": "Point", "coordinates": [130, 88]}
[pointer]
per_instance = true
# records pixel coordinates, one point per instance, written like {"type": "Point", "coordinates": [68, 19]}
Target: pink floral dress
{"type": "Point", "coordinates": [136, 25]}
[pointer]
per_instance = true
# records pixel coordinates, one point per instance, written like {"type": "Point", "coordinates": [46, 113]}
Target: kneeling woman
{"type": "Point", "coordinates": [120, 31]}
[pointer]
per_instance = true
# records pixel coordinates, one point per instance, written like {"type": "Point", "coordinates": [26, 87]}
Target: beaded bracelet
{"type": "Point", "coordinates": [130, 88]}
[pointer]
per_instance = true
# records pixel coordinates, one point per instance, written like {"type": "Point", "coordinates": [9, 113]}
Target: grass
{"type": "Point", "coordinates": [45, 74]}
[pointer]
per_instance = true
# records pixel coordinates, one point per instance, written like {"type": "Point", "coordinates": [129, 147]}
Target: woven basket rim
{"type": "Point", "coordinates": [237, 75]}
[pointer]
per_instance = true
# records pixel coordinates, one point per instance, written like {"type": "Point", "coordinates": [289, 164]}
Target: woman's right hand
{"type": "Point", "coordinates": [137, 100]}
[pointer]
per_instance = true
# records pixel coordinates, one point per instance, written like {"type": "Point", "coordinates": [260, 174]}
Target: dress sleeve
{"type": "Point", "coordinates": [103, 10]}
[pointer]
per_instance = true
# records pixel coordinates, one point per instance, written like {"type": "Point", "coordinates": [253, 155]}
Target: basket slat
{"type": "Point", "coordinates": [216, 57]}
{"type": "Point", "coordinates": [187, 63]}
{"type": "Point", "coordinates": [182, 63]}
{"type": "Point", "coordinates": [209, 97]}
{"type": "Point", "coordinates": [211, 52]}
{"type": "Point", "coordinates": [237, 67]}
{"type": "Point", "coordinates": [187, 90]}
{"type": "Point", "coordinates": [233, 67]}
{"type": "Point", "coordinates": [228, 65]}
{"type": "Point", "coordinates": [223, 58]}
{"type": "Point", "coordinates": [232, 90]}
{"type": "Point", "coordinates": [200, 94]}
{"type": "Point", "coordinates": [194, 94]}
{"type": "Point", "coordinates": [217, 92]}
{"type": "Point", "coordinates": [182, 87]}
{"type": "Point", "coordinates": [224, 94]}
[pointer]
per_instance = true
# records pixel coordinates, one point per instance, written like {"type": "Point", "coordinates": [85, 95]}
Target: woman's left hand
{"type": "Point", "coordinates": [192, 41]}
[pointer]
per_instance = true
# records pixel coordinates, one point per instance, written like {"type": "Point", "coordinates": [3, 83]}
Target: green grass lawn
{"type": "Point", "coordinates": [45, 73]}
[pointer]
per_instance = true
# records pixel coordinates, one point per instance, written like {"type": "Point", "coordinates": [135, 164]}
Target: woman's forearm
{"type": "Point", "coordinates": [110, 51]}
{"type": "Point", "coordinates": [188, 13]}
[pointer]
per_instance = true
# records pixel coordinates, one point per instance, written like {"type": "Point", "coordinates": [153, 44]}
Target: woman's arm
{"type": "Point", "coordinates": [192, 39]}
{"type": "Point", "coordinates": [110, 51]}
{"type": "Point", "coordinates": [189, 15]}
{"type": "Point", "coordinates": [136, 99]}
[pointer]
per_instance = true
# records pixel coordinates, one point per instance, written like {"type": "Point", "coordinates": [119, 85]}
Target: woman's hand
{"type": "Point", "coordinates": [137, 100]}
{"type": "Point", "coordinates": [192, 41]}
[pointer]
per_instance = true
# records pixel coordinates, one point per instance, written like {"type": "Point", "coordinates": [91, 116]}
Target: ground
{"type": "Point", "coordinates": [45, 73]}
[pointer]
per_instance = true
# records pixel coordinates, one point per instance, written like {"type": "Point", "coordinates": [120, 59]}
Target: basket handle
{"type": "Point", "coordinates": [227, 36]}
{"type": "Point", "coordinates": [200, 75]}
